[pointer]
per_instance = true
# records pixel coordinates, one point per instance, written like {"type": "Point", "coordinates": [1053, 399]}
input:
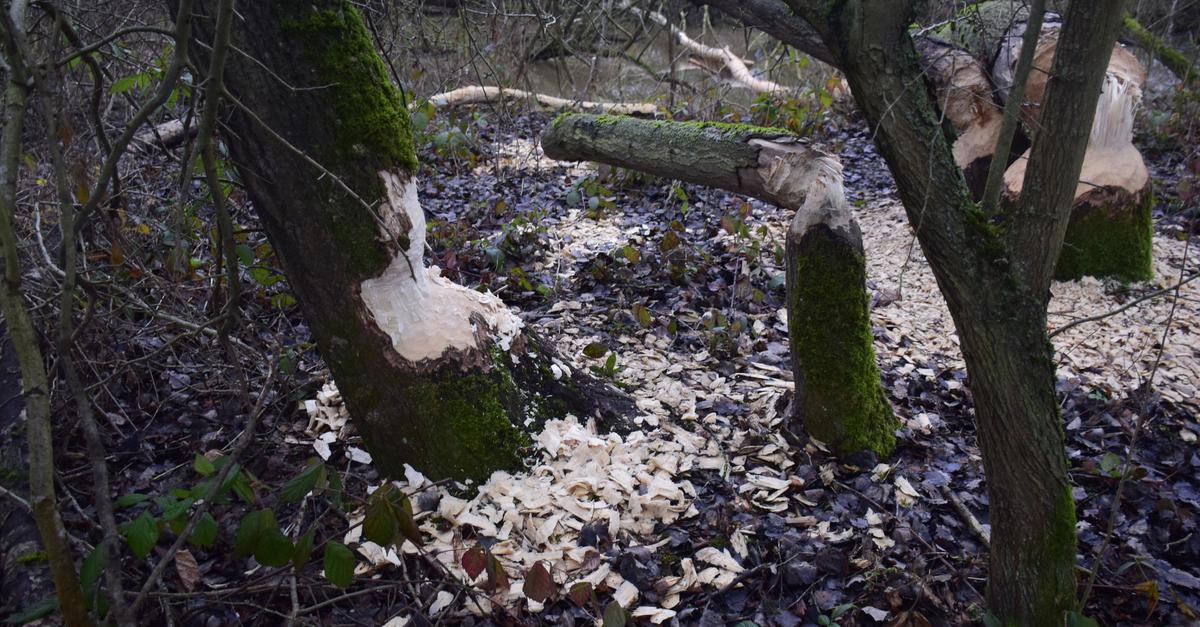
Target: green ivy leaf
{"type": "Point", "coordinates": [304, 549]}
{"type": "Point", "coordinates": [339, 564]}
{"type": "Point", "coordinates": [205, 533]}
{"type": "Point", "coordinates": [203, 465]}
{"type": "Point", "coordinates": [252, 527]}
{"type": "Point", "coordinates": [123, 85]}
{"type": "Point", "coordinates": [1110, 464]}
{"type": "Point", "coordinates": [90, 571]}
{"type": "Point", "coordinates": [273, 548]}
{"type": "Point", "coordinates": [303, 483]}
{"type": "Point", "coordinates": [129, 500]}
{"type": "Point", "coordinates": [408, 525]}
{"type": "Point", "coordinates": [595, 350]}
{"type": "Point", "coordinates": [142, 534]}
{"type": "Point", "coordinates": [615, 615]}
{"type": "Point", "coordinates": [379, 525]}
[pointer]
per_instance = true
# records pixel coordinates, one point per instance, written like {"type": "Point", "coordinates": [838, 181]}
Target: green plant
{"type": "Point", "coordinates": [831, 619]}
{"type": "Point", "coordinates": [590, 193]}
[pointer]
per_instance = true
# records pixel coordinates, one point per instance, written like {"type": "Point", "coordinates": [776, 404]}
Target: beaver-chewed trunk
{"type": "Point", "coordinates": [1110, 232]}
{"type": "Point", "coordinates": [435, 375]}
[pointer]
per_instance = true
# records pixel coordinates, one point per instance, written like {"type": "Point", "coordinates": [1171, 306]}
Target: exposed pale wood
{"type": "Point", "coordinates": [488, 94]}
{"type": "Point", "coordinates": [165, 135]}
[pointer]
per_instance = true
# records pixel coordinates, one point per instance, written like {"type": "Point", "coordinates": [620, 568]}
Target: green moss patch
{"type": "Point", "coordinates": [840, 398]}
{"type": "Point", "coordinates": [1109, 238]}
{"type": "Point", "coordinates": [459, 425]}
{"type": "Point", "coordinates": [374, 125]}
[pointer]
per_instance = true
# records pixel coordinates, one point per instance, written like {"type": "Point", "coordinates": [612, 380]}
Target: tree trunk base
{"type": "Point", "coordinates": [1110, 236]}
{"type": "Point", "coordinates": [473, 422]}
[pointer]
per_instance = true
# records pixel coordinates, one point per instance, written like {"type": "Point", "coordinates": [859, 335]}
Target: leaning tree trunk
{"type": "Point", "coordinates": [839, 398]}
{"type": "Point", "coordinates": [435, 375]}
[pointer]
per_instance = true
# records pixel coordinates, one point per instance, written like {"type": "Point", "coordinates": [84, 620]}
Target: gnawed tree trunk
{"type": "Point", "coordinates": [838, 394]}
{"type": "Point", "coordinates": [964, 95]}
{"type": "Point", "coordinates": [435, 375]}
{"type": "Point", "coordinates": [1111, 229]}
{"type": "Point", "coordinates": [839, 397]}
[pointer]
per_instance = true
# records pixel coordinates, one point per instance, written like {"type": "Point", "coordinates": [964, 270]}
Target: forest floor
{"type": "Point", "coordinates": [710, 514]}
{"type": "Point", "coordinates": [717, 510]}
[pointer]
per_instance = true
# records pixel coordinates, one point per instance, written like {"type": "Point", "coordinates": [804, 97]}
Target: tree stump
{"type": "Point", "coordinates": [1111, 230]}
{"type": "Point", "coordinates": [839, 398]}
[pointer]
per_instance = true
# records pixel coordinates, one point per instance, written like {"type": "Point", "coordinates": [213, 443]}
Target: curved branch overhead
{"type": "Point", "coordinates": [777, 20]}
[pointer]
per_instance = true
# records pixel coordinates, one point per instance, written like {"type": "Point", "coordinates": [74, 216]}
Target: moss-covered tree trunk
{"type": "Point", "coordinates": [839, 397]}
{"type": "Point", "coordinates": [435, 375]}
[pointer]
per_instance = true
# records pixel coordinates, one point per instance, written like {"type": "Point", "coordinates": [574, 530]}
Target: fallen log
{"type": "Point", "coordinates": [839, 397]}
{"type": "Point", "coordinates": [1180, 66]}
{"type": "Point", "coordinates": [165, 136]}
{"type": "Point", "coordinates": [767, 163]}
{"type": "Point", "coordinates": [490, 94]}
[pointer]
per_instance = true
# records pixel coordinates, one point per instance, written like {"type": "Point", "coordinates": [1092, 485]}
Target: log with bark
{"type": "Point", "coordinates": [839, 397]}
{"type": "Point", "coordinates": [434, 374]}
{"type": "Point", "coordinates": [490, 94]}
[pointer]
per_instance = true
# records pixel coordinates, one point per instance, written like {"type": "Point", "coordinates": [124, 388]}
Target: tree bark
{"type": "Point", "coordinates": [777, 20]}
{"type": "Point", "coordinates": [770, 164]}
{"type": "Point", "coordinates": [839, 397]}
{"type": "Point", "coordinates": [35, 384]}
{"type": "Point", "coordinates": [994, 274]}
{"type": "Point", "coordinates": [435, 375]}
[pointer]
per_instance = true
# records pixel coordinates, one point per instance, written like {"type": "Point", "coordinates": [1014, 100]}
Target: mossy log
{"type": "Point", "coordinates": [1174, 60]}
{"type": "Point", "coordinates": [770, 164]}
{"type": "Point", "coordinates": [839, 397]}
{"type": "Point", "coordinates": [434, 375]}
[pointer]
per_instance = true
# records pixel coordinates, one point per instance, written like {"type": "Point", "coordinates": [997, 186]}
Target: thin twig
{"type": "Point", "coordinates": [1145, 297]}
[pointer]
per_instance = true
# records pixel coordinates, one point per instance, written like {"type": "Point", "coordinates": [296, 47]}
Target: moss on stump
{"type": "Point", "coordinates": [839, 396]}
{"type": "Point", "coordinates": [465, 427]}
{"type": "Point", "coordinates": [1109, 236]}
